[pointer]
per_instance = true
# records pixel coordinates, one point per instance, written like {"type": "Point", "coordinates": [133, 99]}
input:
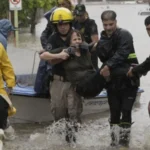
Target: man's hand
{"type": "Point", "coordinates": [45, 55]}
{"type": "Point", "coordinates": [130, 73]}
{"type": "Point", "coordinates": [41, 51]}
{"type": "Point", "coordinates": [63, 55]}
{"type": "Point", "coordinates": [105, 72]}
{"type": "Point", "coordinates": [9, 90]}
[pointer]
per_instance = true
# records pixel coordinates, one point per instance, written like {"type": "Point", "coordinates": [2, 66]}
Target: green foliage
{"type": "Point", "coordinates": [48, 4]}
{"type": "Point", "coordinates": [4, 7]}
{"type": "Point", "coordinates": [28, 13]}
{"type": "Point", "coordinates": [29, 9]}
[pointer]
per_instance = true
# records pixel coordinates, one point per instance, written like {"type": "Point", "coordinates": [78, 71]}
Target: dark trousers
{"type": "Point", "coordinates": [121, 103]}
{"type": "Point", "coordinates": [3, 112]}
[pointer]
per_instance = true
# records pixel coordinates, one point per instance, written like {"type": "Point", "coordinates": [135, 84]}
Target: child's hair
{"type": "Point", "coordinates": [68, 40]}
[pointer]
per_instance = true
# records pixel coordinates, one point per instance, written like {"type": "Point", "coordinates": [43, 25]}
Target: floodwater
{"type": "Point", "coordinates": [94, 132]}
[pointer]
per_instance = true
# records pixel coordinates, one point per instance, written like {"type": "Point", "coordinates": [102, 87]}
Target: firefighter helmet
{"type": "Point", "coordinates": [61, 15]}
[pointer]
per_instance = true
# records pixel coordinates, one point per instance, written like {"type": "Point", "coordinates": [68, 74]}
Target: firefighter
{"type": "Point", "coordinates": [49, 28]}
{"type": "Point", "coordinates": [44, 69]}
{"type": "Point", "coordinates": [61, 19]}
{"type": "Point", "coordinates": [116, 51]}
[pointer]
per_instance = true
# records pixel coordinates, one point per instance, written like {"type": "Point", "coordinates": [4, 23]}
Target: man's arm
{"type": "Point", "coordinates": [52, 55]}
{"type": "Point", "coordinates": [143, 68]}
{"type": "Point", "coordinates": [54, 58]}
{"type": "Point", "coordinates": [125, 44]}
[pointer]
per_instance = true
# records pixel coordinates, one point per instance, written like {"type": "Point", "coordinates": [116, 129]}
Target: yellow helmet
{"type": "Point", "coordinates": [61, 15]}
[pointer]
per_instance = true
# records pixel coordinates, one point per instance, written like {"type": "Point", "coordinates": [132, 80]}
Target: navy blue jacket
{"type": "Point", "coordinates": [5, 28]}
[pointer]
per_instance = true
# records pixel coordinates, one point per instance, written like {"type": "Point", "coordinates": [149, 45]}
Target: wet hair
{"type": "Point", "coordinates": [68, 40]}
{"type": "Point", "coordinates": [147, 21]}
{"type": "Point", "coordinates": [108, 15]}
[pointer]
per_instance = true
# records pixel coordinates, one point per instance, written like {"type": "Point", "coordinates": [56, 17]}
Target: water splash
{"type": "Point", "coordinates": [146, 138]}
{"type": "Point", "coordinates": [92, 135]}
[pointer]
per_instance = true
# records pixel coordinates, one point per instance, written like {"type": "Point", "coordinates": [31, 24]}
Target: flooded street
{"type": "Point", "coordinates": [94, 132]}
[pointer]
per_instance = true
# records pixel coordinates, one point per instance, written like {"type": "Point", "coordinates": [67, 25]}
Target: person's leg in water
{"type": "Point", "coordinates": [114, 104]}
{"type": "Point", "coordinates": [3, 116]}
{"type": "Point", "coordinates": [9, 132]}
{"type": "Point", "coordinates": [75, 108]}
{"type": "Point", "coordinates": [128, 99]}
{"type": "Point", "coordinates": [59, 104]}
{"type": "Point", "coordinates": [58, 99]}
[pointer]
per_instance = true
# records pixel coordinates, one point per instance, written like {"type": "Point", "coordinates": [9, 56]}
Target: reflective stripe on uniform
{"type": "Point", "coordinates": [82, 30]}
{"type": "Point", "coordinates": [131, 56]}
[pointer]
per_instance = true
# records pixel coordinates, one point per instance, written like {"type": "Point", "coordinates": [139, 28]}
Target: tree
{"type": "Point", "coordinates": [28, 14]}
{"type": "Point", "coordinates": [4, 8]}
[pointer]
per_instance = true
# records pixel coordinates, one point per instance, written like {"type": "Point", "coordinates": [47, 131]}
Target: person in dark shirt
{"type": "Point", "coordinates": [144, 67]}
{"type": "Point", "coordinates": [44, 70]}
{"type": "Point", "coordinates": [116, 51]}
{"type": "Point", "coordinates": [61, 107]}
{"type": "Point", "coordinates": [87, 27]}
{"type": "Point", "coordinates": [49, 28]}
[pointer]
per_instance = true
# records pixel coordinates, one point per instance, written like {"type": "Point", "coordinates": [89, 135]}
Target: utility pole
{"type": "Point", "coordinates": [16, 5]}
{"type": "Point", "coordinates": [16, 27]}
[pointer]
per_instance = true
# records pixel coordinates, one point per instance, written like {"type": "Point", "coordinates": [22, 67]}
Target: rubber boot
{"type": "Point", "coordinates": [70, 132]}
{"type": "Point", "coordinates": [125, 130]}
{"type": "Point", "coordinates": [114, 133]}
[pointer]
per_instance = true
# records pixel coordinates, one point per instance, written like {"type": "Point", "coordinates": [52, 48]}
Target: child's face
{"type": "Point", "coordinates": [76, 39]}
